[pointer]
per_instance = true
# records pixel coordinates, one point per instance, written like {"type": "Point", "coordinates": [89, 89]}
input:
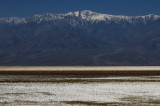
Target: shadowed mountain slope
{"type": "Point", "coordinates": [80, 39]}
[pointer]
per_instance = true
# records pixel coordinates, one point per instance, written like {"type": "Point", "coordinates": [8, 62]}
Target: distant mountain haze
{"type": "Point", "coordinates": [81, 38]}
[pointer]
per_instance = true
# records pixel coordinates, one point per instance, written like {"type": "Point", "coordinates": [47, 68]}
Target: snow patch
{"type": "Point", "coordinates": [84, 15]}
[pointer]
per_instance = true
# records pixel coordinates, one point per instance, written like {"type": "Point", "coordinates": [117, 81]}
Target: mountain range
{"type": "Point", "coordinates": [81, 38]}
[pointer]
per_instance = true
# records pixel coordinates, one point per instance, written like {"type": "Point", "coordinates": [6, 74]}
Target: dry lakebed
{"type": "Point", "coordinates": [80, 86]}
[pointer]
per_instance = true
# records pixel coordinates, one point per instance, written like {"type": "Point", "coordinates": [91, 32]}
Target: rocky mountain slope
{"type": "Point", "coordinates": [80, 38]}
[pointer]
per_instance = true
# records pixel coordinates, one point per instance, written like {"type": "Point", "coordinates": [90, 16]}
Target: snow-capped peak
{"type": "Point", "coordinates": [73, 14]}
{"type": "Point", "coordinates": [84, 15]}
{"type": "Point", "coordinates": [93, 16]}
{"type": "Point", "coordinates": [87, 13]}
{"type": "Point", "coordinates": [13, 20]}
{"type": "Point", "coordinates": [151, 16]}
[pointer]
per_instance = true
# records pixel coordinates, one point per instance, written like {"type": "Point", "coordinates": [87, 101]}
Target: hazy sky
{"type": "Point", "coordinates": [24, 8]}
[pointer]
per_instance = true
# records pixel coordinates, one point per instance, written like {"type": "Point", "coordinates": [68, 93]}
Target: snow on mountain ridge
{"type": "Point", "coordinates": [85, 15]}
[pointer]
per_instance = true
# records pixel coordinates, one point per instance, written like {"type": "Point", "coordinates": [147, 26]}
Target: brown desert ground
{"type": "Point", "coordinates": [81, 70]}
